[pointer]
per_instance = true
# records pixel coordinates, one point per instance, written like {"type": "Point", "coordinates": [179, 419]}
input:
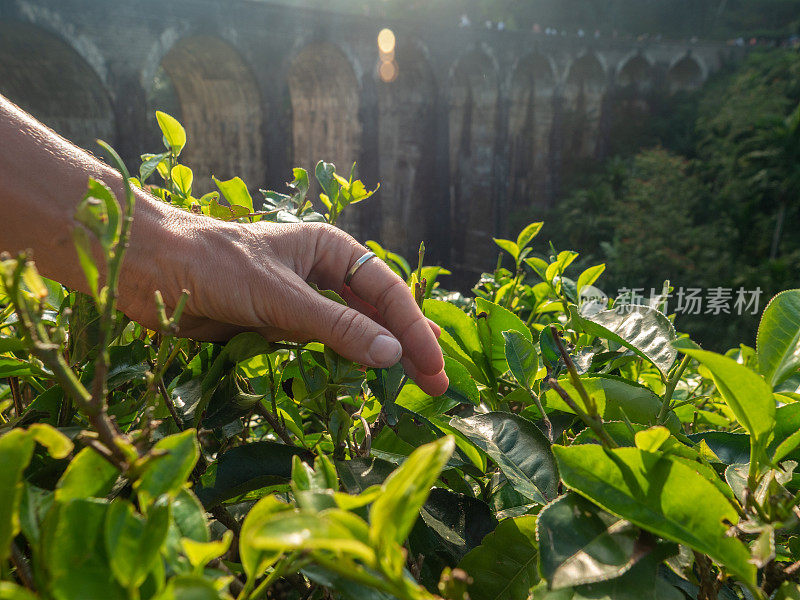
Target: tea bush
{"type": "Point", "coordinates": [584, 449]}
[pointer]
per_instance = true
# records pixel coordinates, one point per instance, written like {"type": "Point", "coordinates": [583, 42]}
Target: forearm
{"type": "Point", "coordinates": [42, 179]}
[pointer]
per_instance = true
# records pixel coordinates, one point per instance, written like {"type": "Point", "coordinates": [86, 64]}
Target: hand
{"type": "Point", "coordinates": [255, 278]}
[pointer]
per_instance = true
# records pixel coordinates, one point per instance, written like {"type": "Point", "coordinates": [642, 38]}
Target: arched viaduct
{"type": "Point", "coordinates": [477, 122]}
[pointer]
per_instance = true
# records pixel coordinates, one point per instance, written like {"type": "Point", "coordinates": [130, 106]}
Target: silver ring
{"type": "Point", "coordinates": [356, 265]}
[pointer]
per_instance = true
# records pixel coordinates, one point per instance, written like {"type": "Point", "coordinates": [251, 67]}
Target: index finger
{"type": "Point", "coordinates": [375, 283]}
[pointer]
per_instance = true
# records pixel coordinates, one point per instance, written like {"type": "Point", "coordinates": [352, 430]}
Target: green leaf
{"type": "Point", "coordinates": [386, 387]}
{"type": "Point", "coordinates": [150, 163]}
{"type": "Point", "coordinates": [100, 213]}
{"type": "Point", "coordinates": [58, 445]}
{"type": "Point", "coordinates": [255, 561]}
{"type": "Point", "coordinates": [580, 543]}
{"type": "Point", "coordinates": [11, 591]}
{"type": "Point", "coordinates": [504, 566]}
{"type": "Point", "coordinates": [523, 361]}
{"type": "Point", "coordinates": [745, 392]}
{"type": "Point", "coordinates": [324, 172]}
{"type": "Point", "coordinates": [333, 530]}
{"type": "Point", "coordinates": [519, 448]}
{"type": "Point", "coordinates": [450, 526]}
{"type": "Point", "coordinates": [462, 387]}
{"type": "Point", "coordinates": [459, 338]}
{"type": "Point", "coordinates": [235, 192]}
{"type": "Point", "coordinates": [168, 474]}
{"type": "Point", "coordinates": [182, 177]}
{"type": "Point", "coordinates": [651, 439]}
{"type": "Point", "coordinates": [16, 449]}
{"type": "Point", "coordinates": [405, 491]}
{"type": "Point", "coordinates": [644, 330]}
{"type": "Point", "coordinates": [509, 247]}
{"type": "Point", "coordinates": [245, 468]}
{"type": "Point", "coordinates": [132, 542]}
{"type": "Point", "coordinates": [659, 494]}
{"type": "Point", "coordinates": [526, 235]}
{"type": "Point", "coordinates": [174, 133]}
{"type": "Point", "coordinates": [493, 320]}
{"type": "Point", "coordinates": [74, 551]}
{"type": "Point", "coordinates": [190, 587]}
{"type": "Point", "coordinates": [83, 246]}
{"type": "Point", "coordinates": [88, 474]}
{"type": "Point", "coordinates": [202, 553]}
{"type": "Point", "coordinates": [589, 276]}
{"type": "Point", "coordinates": [778, 340]}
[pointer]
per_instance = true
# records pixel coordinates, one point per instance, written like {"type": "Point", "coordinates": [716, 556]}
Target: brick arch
{"type": "Point", "coordinates": [324, 98]}
{"type": "Point", "coordinates": [584, 90]}
{"type": "Point", "coordinates": [636, 71]}
{"type": "Point", "coordinates": [685, 73]}
{"type": "Point", "coordinates": [474, 95]}
{"type": "Point", "coordinates": [533, 84]}
{"type": "Point", "coordinates": [407, 135]}
{"type": "Point", "coordinates": [208, 84]}
{"type": "Point", "coordinates": [47, 77]}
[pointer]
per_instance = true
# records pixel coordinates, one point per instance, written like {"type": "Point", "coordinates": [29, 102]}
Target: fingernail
{"type": "Point", "coordinates": [385, 350]}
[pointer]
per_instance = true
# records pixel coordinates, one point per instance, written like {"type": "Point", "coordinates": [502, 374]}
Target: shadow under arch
{"type": "Point", "coordinates": [584, 89]}
{"type": "Point", "coordinates": [530, 124]}
{"type": "Point", "coordinates": [46, 77]}
{"type": "Point", "coordinates": [474, 91]}
{"type": "Point", "coordinates": [637, 71]}
{"type": "Point", "coordinates": [407, 142]}
{"type": "Point", "coordinates": [324, 96]}
{"type": "Point", "coordinates": [685, 74]}
{"type": "Point", "coordinates": [207, 83]}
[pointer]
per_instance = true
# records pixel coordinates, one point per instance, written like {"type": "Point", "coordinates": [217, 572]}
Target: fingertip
{"type": "Point", "coordinates": [384, 351]}
{"type": "Point", "coordinates": [433, 385]}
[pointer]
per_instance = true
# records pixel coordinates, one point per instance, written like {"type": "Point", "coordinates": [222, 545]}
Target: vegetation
{"type": "Point", "coordinates": [704, 195]}
{"type": "Point", "coordinates": [584, 448]}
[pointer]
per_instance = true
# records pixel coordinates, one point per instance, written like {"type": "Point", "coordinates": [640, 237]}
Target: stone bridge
{"type": "Point", "coordinates": [460, 126]}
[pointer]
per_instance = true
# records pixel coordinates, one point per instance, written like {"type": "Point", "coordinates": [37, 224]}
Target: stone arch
{"type": "Point", "coordinates": [204, 82]}
{"type": "Point", "coordinates": [584, 89]}
{"type": "Point", "coordinates": [474, 90]}
{"type": "Point", "coordinates": [324, 96]}
{"type": "Point", "coordinates": [407, 136]}
{"type": "Point", "coordinates": [530, 118]}
{"type": "Point", "coordinates": [48, 78]}
{"type": "Point", "coordinates": [636, 71]}
{"type": "Point", "coordinates": [685, 73]}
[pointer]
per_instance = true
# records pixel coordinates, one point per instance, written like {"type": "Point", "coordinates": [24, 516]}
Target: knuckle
{"type": "Point", "coordinates": [348, 324]}
{"type": "Point", "coordinates": [391, 295]}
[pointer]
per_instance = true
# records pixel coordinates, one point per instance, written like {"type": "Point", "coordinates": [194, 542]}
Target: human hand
{"type": "Point", "coordinates": [255, 277]}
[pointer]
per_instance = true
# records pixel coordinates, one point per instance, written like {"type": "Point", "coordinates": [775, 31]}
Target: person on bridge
{"type": "Point", "coordinates": [241, 277]}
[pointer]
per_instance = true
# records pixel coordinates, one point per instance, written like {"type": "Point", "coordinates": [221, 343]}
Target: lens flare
{"type": "Point", "coordinates": [386, 41]}
{"type": "Point", "coordinates": [388, 71]}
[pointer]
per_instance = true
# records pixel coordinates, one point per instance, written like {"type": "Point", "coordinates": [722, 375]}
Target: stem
{"type": "Point", "coordinates": [346, 569]}
{"type": "Point", "coordinates": [279, 570]}
{"type": "Point", "coordinates": [670, 389]}
{"type": "Point", "coordinates": [13, 383]}
{"type": "Point", "coordinates": [23, 568]}
{"type": "Point", "coordinates": [546, 418]}
{"type": "Point", "coordinates": [595, 425]}
{"type": "Point", "coordinates": [591, 407]}
{"type": "Point", "coordinates": [273, 421]}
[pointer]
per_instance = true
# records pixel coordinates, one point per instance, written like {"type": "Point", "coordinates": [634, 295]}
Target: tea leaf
{"type": "Point", "coordinates": [659, 494]}
{"type": "Point", "coordinates": [519, 448]}
{"type": "Point", "coordinates": [174, 133]}
{"type": "Point", "coordinates": [778, 340]}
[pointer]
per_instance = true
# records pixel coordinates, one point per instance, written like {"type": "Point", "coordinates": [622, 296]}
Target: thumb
{"type": "Point", "coordinates": [350, 333]}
